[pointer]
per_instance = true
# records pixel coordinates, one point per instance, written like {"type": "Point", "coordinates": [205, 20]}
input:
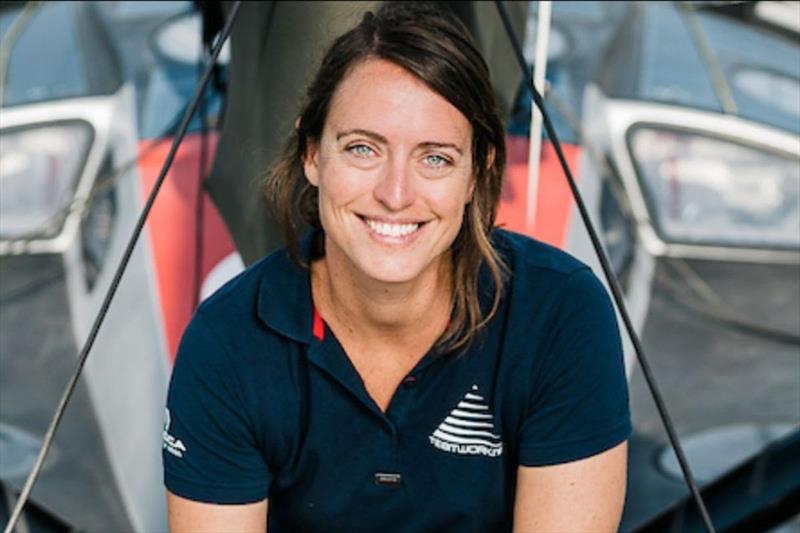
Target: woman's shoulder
{"type": "Point", "coordinates": [235, 314]}
{"type": "Point", "coordinates": [547, 281]}
{"type": "Point", "coordinates": [230, 339]}
{"type": "Point", "coordinates": [241, 291]}
{"type": "Point", "coordinates": [524, 254]}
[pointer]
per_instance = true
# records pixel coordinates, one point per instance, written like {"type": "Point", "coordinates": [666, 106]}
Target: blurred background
{"type": "Point", "coordinates": [680, 121]}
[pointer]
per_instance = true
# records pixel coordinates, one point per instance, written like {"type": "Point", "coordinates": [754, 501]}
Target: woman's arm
{"type": "Point", "coordinates": [584, 495]}
{"type": "Point", "coordinates": [197, 517]}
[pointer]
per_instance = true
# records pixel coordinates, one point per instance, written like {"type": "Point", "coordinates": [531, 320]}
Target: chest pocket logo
{"type": "Point", "coordinates": [468, 429]}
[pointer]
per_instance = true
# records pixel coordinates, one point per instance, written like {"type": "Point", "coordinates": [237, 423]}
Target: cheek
{"type": "Point", "coordinates": [449, 201]}
{"type": "Point", "coordinates": [340, 186]}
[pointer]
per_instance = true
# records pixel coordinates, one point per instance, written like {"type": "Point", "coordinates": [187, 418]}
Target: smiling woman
{"type": "Point", "coordinates": [405, 366]}
{"type": "Point", "coordinates": [391, 191]}
{"type": "Point", "coordinates": [408, 92]}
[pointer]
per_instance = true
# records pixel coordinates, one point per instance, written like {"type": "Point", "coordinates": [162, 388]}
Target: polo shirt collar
{"type": "Point", "coordinates": [284, 294]}
{"type": "Point", "coordinates": [285, 303]}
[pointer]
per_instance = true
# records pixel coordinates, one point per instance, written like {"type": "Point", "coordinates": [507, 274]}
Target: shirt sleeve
{"type": "Point", "coordinates": [578, 404]}
{"type": "Point", "coordinates": [209, 448]}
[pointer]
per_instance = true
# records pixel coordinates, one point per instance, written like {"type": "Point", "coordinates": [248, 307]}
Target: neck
{"type": "Point", "coordinates": [380, 311]}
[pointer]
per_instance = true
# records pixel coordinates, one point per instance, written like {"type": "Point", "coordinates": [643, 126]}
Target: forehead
{"type": "Point", "coordinates": [383, 97]}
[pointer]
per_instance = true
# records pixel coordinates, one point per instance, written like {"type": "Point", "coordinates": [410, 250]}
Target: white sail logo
{"type": "Point", "coordinates": [468, 429]}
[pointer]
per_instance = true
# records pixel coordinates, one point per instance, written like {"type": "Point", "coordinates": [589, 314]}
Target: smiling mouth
{"type": "Point", "coordinates": [386, 229]}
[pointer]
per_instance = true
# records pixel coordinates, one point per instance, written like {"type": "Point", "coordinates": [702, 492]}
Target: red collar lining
{"type": "Point", "coordinates": [317, 325]}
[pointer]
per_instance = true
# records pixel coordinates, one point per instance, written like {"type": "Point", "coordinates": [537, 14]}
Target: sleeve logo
{"type": "Point", "coordinates": [168, 442]}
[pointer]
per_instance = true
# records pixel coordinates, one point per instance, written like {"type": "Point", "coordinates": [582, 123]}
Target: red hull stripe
{"type": "Point", "coordinates": [554, 203]}
{"type": "Point", "coordinates": [172, 230]}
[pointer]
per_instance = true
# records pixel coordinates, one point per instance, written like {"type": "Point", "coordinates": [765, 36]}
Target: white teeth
{"type": "Point", "coordinates": [391, 230]}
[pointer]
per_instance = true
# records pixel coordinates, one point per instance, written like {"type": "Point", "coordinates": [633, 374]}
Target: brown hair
{"type": "Point", "coordinates": [435, 47]}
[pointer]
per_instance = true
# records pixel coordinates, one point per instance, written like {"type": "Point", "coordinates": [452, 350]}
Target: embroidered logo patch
{"type": "Point", "coordinates": [468, 429]}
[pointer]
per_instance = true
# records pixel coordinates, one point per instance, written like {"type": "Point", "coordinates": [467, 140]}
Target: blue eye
{"type": "Point", "coordinates": [361, 150]}
{"type": "Point", "coordinates": [435, 160]}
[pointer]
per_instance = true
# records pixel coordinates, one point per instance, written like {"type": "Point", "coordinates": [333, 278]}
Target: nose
{"type": "Point", "coordinates": [395, 189]}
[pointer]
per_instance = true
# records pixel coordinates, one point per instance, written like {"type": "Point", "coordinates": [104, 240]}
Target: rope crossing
{"type": "Point", "coordinates": [112, 290]}
{"type": "Point", "coordinates": [181, 132]}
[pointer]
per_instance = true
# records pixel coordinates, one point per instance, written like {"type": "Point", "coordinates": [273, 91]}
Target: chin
{"type": "Point", "coordinates": [393, 272]}
{"type": "Point", "coordinates": [384, 264]}
{"type": "Point", "coordinates": [397, 266]}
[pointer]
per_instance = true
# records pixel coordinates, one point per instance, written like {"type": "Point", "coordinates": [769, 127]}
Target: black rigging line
{"type": "Point", "coordinates": [608, 271]}
{"type": "Point", "coordinates": [73, 381]}
{"type": "Point", "coordinates": [199, 211]}
{"type": "Point", "coordinates": [700, 297]}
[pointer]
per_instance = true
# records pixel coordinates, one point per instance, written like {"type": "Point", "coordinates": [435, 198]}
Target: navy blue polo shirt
{"type": "Point", "coordinates": [264, 403]}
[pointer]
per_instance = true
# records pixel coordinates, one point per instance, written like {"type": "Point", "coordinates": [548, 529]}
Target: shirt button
{"type": "Point", "coordinates": [410, 382]}
{"type": "Point", "coordinates": [390, 479]}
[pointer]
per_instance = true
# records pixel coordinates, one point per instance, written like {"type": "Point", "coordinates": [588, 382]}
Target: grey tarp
{"type": "Point", "coordinates": [274, 52]}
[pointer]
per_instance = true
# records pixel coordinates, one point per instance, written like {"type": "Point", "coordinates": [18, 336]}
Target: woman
{"type": "Point", "coordinates": [406, 366]}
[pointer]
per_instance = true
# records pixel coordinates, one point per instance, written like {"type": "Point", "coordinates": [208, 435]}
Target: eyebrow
{"type": "Point", "coordinates": [377, 137]}
{"type": "Point", "coordinates": [442, 145]}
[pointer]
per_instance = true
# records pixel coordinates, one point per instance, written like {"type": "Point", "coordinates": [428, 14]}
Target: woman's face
{"type": "Point", "coordinates": [394, 172]}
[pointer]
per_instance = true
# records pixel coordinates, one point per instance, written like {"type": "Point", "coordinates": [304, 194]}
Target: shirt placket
{"type": "Point", "coordinates": [328, 355]}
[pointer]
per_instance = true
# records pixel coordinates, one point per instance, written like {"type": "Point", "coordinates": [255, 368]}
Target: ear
{"type": "Point", "coordinates": [311, 162]}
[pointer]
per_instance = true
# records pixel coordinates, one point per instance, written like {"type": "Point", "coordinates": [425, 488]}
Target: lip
{"type": "Point", "coordinates": [390, 220]}
{"type": "Point", "coordinates": [393, 240]}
